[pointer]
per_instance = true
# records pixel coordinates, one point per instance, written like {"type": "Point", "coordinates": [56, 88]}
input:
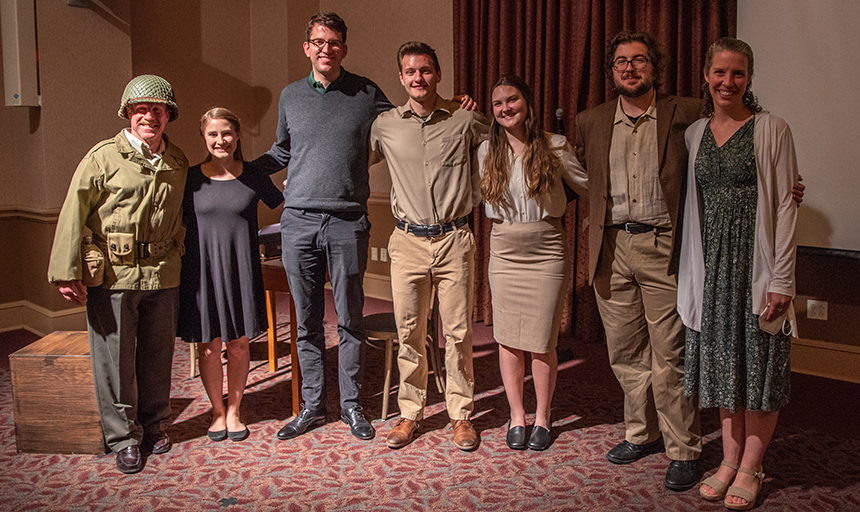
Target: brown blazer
{"type": "Point", "coordinates": [593, 137]}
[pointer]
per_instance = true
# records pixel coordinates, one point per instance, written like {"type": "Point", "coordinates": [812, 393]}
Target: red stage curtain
{"type": "Point", "coordinates": [558, 47]}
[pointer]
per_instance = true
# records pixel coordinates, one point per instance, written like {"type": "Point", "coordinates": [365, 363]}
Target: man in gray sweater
{"type": "Point", "coordinates": [323, 126]}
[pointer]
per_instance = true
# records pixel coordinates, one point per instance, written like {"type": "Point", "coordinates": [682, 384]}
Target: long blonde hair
{"type": "Point", "coordinates": [541, 166]}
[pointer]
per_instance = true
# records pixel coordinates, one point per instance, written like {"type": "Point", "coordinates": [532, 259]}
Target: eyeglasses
{"type": "Point", "coordinates": [639, 62]}
{"type": "Point", "coordinates": [333, 44]}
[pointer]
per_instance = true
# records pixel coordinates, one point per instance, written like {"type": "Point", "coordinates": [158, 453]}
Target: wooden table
{"type": "Point", "coordinates": [275, 280]}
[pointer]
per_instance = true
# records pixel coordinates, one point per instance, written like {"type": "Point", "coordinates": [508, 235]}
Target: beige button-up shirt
{"type": "Point", "coordinates": [635, 193]}
{"type": "Point", "coordinates": [430, 161]}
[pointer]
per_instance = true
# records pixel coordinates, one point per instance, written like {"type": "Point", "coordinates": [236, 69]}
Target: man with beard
{"type": "Point", "coordinates": [633, 149]}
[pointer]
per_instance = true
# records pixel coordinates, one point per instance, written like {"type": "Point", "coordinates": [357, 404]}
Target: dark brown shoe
{"type": "Point", "coordinates": [465, 437]}
{"type": "Point", "coordinates": [128, 460]}
{"type": "Point", "coordinates": [157, 443]}
{"type": "Point", "coordinates": [402, 433]}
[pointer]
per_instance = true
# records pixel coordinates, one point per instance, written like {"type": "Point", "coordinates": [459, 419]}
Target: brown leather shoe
{"type": "Point", "coordinates": [465, 437]}
{"type": "Point", "coordinates": [129, 460]}
{"type": "Point", "coordinates": [402, 433]}
{"type": "Point", "coordinates": [156, 442]}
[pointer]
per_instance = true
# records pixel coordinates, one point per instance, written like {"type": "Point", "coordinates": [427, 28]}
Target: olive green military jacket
{"type": "Point", "coordinates": [116, 192]}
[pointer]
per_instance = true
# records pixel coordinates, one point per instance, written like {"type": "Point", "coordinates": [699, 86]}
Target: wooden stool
{"type": "Point", "coordinates": [381, 326]}
{"type": "Point", "coordinates": [54, 399]}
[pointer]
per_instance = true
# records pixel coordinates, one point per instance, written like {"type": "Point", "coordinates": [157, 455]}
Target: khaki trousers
{"type": "Point", "coordinates": [645, 337]}
{"type": "Point", "coordinates": [418, 265]}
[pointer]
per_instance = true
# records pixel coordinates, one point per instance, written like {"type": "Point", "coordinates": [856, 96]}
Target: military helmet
{"type": "Point", "coordinates": [148, 88]}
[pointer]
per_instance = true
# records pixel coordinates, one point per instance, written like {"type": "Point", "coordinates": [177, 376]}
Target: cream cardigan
{"type": "Point", "coordinates": [776, 214]}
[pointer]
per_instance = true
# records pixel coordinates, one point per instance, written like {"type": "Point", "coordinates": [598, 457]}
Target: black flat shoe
{"type": "Point", "coordinates": [516, 437]}
{"type": "Point", "coordinates": [240, 435]}
{"type": "Point", "coordinates": [218, 435]}
{"type": "Point", "coordinates": [358, 424]}
{"type": "Point", "coordinates": [306, 420]}
{"type": "Point", "coordinates": [540, 438]}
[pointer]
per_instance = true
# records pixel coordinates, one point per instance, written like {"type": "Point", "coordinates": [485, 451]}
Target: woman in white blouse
{"type": "Point", "coordinates": [522, 169]}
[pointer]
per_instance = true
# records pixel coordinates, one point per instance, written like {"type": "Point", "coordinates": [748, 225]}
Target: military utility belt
{"type": "Point", "coordinates": [433, 229]}
{"type": "Point", "coordinates": [123, 250]}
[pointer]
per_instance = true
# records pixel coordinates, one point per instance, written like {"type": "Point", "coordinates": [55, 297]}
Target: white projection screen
{"type": "Point", "coordinates": [807, 71]}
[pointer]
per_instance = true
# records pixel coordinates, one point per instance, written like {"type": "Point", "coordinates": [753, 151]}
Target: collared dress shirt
{"type": "Point", "coordinates": [634, 178]}
{"type": "Point", "coordinates": [520, 206]}
{"type": "Point", "coordinates": [433, 181]}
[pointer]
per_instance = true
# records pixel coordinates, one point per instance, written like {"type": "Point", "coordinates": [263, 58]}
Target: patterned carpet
{"type": "Point", "coordinates": [329, 470]}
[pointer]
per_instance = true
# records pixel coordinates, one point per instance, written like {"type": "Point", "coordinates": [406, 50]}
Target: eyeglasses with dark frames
{"type": "Point", "coordinates": [638, 62]}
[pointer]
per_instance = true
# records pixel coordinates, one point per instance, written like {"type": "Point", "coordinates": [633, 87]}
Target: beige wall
{"type": "Point", "coordinates": [233, 53]}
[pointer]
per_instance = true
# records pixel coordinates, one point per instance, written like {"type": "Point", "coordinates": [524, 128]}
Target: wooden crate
{"type": "Point", "coordinates": [53, 396]}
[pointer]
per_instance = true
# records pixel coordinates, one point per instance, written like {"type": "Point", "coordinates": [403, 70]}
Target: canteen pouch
{"type": "Point", "coordinates": [120, 247]}
{"type": "Point", "coordinates": [93, 272]}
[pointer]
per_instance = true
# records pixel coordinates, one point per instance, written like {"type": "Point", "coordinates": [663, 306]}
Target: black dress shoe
{"type": "Point", "coordinates": [306, 420]}
{"type": "Point", "coordinates": [516, 437]}
{"type": "Point", "coordinates": [683, 474]}
{"type": "Point", "coordinates": [540, 438]}
{"type": "Point", "coordinates": [626, 452]}
{"type": "Point", "coordinates": [128, 460]}
{"type": "Point", "coordinates": [156, 442]}
{"type": "Point", "coordinates": [358, 424]}
{"type": "Point", "coordinates": [239, 435]}
{"type": "Point", "coordinates": [218, 435]}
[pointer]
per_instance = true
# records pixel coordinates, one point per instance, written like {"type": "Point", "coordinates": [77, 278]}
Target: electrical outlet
{"type": "Point", "coordinates": [816, 309]}
{"type": "Point", "coordinates": [383, 254]}
{"type": "Point", "coordinates": [374, 254]}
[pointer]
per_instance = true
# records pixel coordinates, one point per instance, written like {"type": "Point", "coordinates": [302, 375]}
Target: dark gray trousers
{"type": "Point", "coordinates": [132, 334]}
{"type": "Point", "coordinates": [312, 241]}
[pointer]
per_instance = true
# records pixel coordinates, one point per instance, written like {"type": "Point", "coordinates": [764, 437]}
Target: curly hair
{"type": "Point", "coordinates": [541, 167]}
{"type": "Point", "coordinates": [655, 53]}
{"type": "Point", "coordinates": [729, 44]}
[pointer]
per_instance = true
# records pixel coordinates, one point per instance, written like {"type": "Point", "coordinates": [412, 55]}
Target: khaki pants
{"type": "Point", "coordinates": [417, 266]}
{"type": "Point", "coordinates": [645, 338]}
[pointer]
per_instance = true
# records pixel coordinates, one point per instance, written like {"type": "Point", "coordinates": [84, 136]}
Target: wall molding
{"type": "Point", "coordinates": [43, 215]}
{"type": "Point", "coordinates": [825, 359]}
{"type": "Point", "coordinates": [41, 321]}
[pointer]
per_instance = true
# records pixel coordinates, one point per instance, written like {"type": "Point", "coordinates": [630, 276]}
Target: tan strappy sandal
{"type": "Point", "coordinates": [716, 484]}
{"type": "Point", "coordinates": [743, 493]}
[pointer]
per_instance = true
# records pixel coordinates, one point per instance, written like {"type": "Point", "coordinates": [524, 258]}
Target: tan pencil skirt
{"type": "Point", "coordinates": [528, 274]}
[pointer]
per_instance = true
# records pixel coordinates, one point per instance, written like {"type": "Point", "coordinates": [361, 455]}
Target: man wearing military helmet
{"type": "Point", "coordinates": [128, 192]}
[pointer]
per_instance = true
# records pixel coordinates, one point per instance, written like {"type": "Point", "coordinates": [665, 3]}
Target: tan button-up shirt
{"type": "Point", "coordinates": [430, 161]}
{"type": "Point", "coordinates": [635, 193]}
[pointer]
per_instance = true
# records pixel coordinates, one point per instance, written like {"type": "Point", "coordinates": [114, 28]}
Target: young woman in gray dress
{"type": "Point", "coordinates": [522, 169]}
{"type": "Point", "coordinates": [221, 289]}
{"type": "Point", "coordinates": [736, 276]}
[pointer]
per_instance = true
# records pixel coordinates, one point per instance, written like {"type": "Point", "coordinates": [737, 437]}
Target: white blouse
{"type": "Point", "coordinates": [519, 206]}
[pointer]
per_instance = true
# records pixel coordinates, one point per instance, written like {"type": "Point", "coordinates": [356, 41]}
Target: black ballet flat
{"type": "Point", "coordinates": [218, 435]}
{"type": "Point", "coordinates": [240, 435]}
{"type": "Point", "coordinates": [540, 438]}
{"type": "Point", "coordinates": [516, 437]}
